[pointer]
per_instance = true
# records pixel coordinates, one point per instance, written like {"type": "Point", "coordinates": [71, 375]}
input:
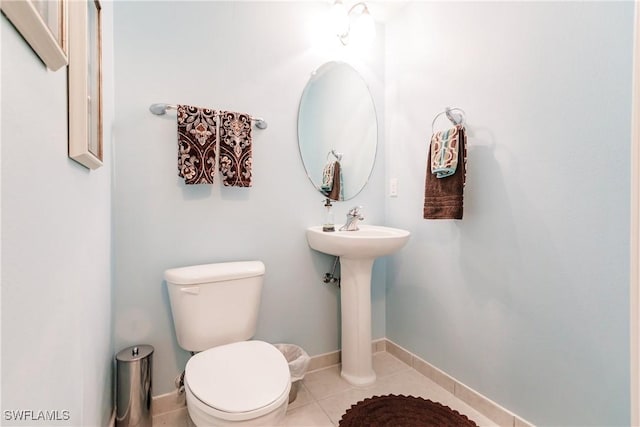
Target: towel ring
{"type": "Point", "coordinates": [455, 118]}
{"type": "Point", "coordinates": [336, 154]}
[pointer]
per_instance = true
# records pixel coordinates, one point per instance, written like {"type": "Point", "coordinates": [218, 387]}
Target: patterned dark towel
{"type": "Point", "coordinates": [235, 149]}
{"type": "Point", "coordinates": [196, 144]}
{"type": "Point", "coordinates": [443, 197]}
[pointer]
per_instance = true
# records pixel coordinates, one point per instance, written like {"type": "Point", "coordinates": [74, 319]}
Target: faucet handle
{"type": "Point", "coordinates": [355, 212]}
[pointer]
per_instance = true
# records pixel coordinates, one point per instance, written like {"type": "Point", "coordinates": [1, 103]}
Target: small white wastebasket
{"type": "Point", "coordinates": [298, 360]}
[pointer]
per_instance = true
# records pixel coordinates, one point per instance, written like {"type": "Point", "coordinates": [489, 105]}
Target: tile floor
{"type": "Point", "coordinates": [324, 396]}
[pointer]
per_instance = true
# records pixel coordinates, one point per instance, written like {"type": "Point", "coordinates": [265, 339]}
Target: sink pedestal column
{"type": "Point", "coordinates": [355, 302]}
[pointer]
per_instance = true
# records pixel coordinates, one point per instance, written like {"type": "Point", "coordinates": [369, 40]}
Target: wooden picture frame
{"type": "Point", "coordinates": [43, 25]}
{"type": "Point", "coordinates": [85, 82]}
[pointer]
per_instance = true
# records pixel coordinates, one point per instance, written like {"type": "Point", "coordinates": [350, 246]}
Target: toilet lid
{"type": "Point", "coordinates": [238, 377]}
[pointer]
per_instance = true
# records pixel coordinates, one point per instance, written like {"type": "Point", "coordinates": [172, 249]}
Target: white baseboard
{"type": "Point", "coordinates": [477, 401]}
{"type": "Point", "coordinates": [167, 402]}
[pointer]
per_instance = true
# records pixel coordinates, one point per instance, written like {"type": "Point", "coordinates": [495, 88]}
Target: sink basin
{"type": "Point", "coordinates": [357, 251]}
{"type": "Point", "coordinates": [371, 241]}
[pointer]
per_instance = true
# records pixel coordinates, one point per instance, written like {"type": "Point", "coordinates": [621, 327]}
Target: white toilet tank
{"type": "Point", "coordinates": [215, 304]}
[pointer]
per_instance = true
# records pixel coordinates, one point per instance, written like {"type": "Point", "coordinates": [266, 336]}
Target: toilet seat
{"type": "Point", "coordinates": [239, 381]}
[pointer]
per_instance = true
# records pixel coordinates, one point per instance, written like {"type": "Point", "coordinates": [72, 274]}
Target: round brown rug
{"type": "Point", "coordinates": [402, 411]}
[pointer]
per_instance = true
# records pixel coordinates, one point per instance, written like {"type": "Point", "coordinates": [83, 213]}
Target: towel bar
{"type": "Point", "coordinates": [161, 109]}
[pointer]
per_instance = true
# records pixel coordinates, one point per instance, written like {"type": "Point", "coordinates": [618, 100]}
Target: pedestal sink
{"type": "Point", "coordinates": [357, 251]}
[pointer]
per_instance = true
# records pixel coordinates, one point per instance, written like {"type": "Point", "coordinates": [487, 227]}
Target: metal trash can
{"type": "Point", "coordinates": [133, 390]}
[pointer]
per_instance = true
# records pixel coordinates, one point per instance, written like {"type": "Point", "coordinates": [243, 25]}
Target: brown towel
{"type": "Point", "coordinates": [336, 188]}
{"type": "Point", "coordinates": [443, 197]}
{"type": "Point", "coordinates": [235, 149]}
{"type": "Point", "coordinates": [196, 144]}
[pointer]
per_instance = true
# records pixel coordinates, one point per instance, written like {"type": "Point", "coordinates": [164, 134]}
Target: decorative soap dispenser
{"type": "Point", "coordinates": [328, 224]}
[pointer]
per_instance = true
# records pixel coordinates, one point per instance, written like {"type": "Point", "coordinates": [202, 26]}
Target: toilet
{"type": "Point", "coordinates": [232, 380]}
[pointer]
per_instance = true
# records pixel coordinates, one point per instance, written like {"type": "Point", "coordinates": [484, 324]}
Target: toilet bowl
{"type": "Point", "coordinates": [231, 380]}
{"type": "Point", "coordinates": [239, 384]}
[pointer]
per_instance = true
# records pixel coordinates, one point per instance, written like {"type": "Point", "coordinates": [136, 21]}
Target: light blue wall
{"type": "Point", "coordinates": [250, 57]}
{"type": "Point", "coordinates": [56, 250]}
{"type": "Point", "coordinates": [526, 299]}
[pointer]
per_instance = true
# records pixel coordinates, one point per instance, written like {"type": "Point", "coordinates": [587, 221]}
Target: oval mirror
{"type": "Point", "coordinates": [337, 131]}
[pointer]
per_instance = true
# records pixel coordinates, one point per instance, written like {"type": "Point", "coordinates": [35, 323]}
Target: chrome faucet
{"type": "Point", "coordinates": [353, 216]}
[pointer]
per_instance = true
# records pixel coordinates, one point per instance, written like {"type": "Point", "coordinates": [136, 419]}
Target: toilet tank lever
{"type": "Point", "coordinates": [193, 290]}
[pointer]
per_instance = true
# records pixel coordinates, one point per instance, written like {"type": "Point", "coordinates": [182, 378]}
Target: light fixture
{"type": "Point", "coordinates": [361, 30]}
